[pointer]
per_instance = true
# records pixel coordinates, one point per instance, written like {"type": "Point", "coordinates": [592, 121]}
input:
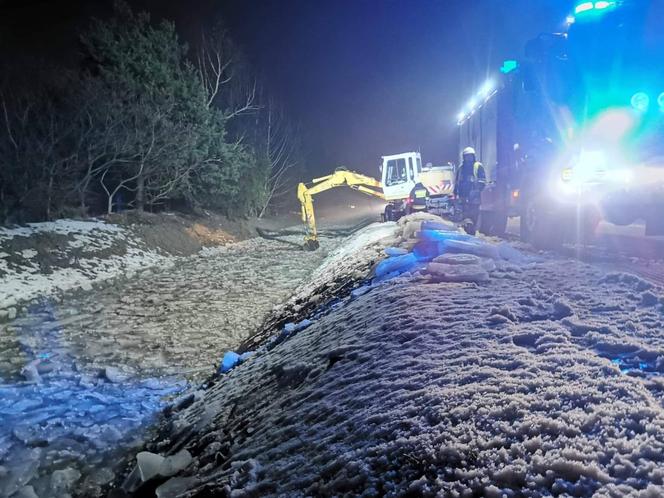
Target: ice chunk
{"type": "Point", "coordinates": [360, 291]}
{"type": "Point", "coordinates": [63, 480]}
{"type": "Point", "coordinates": [30, 372]}
{"type": "Point", "coordinates": [24, 467]}
{"type": "Point", "coordinates": [246, 356]}
{"type": "Point", "coordinates": [289, 328]}
{"type": "Point", "coordinates": [114, 375]}
{"type": "Point", "coordinates": [149, 464]}
{"type": "Point", "coordinates": [26, 492]}
{"type": "Point", "coordinates": [230, 360]}
{"type": "Point", "coordinates": [175, 463]}
{"type": "Point", "coordinates": [101, 477]}
{"type": "Point", "coordinates": [175, 487]}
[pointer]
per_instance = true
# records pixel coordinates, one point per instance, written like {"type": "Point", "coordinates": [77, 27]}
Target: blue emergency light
{"type": "Point", "coordinates": [595, 7]}
{"type": "Point", "coordinates": [509, 66]}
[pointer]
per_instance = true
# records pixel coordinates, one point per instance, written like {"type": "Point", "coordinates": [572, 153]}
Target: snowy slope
{"type": "Point", "coordinates": [545, 378]}
{"type": "Point", "coordinates": [85, 252]}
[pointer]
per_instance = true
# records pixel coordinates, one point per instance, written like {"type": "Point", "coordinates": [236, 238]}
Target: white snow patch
{"type": "Point", "coordinates": [25, 280]}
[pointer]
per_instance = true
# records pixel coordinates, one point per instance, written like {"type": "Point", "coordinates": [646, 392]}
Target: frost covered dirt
{"type": "Point", "coordinates": [81, 374]}
{"type": "Point", "coordinates": [504, 378]}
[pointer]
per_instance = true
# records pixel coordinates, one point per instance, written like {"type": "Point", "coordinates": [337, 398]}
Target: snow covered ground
{"type": "Point", "coordinates": [82, 375]}
{"type": "Point", "coordinates": [76, 255]}
{"type": "Point", "coordinates": [477, 372]}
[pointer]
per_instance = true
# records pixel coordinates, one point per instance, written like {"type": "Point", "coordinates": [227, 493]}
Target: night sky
{"type": "Point", "coordinates": [363, 78]}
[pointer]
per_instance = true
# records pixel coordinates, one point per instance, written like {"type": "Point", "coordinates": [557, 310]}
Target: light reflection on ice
{"type": "Point", "coordinates": [66, 418]}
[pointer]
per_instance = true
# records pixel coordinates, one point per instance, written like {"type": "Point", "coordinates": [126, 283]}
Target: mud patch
{"type": "Point", "coordinates": [209, 236]}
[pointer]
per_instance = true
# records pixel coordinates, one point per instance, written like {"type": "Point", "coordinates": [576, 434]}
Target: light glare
{"type": "Point", "coordinates": [487, 88]}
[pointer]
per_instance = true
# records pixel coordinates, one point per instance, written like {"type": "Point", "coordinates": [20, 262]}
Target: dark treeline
{"type": "Point", "coordinates": [144, 123]}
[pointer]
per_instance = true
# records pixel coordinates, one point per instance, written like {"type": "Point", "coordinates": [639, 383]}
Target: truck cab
{"type": "Point", "coordinates": [399, 175]}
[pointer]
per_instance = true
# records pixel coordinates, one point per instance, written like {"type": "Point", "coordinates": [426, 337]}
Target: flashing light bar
{"type": "Point", "coordinates": [487, 90]}
{"type": "Point", "coordinates": [604, 4]}
{"type": "Point", "coordinates": [599, 5]}
{"type": "Point", "coordinates": [584, 7]}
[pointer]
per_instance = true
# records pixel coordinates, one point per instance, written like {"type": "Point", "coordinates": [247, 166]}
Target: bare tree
{"type": "Point", "coordinates": [281, 148]}
{"type": "Point", "coordinates": [36, 152]}
{"type": "Point", "coordinates": [226, 83]}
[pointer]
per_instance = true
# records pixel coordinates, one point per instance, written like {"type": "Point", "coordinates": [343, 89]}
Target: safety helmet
{"type": "Point", "coordinates": [468, 151]}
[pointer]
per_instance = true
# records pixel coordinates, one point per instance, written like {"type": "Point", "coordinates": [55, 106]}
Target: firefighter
{"type": "Point", "coordinates": [468, 186]}
{"type": "Point", "coordinates": [418, 198]}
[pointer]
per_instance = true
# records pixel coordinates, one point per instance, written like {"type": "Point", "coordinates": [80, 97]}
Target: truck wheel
{"type": "Point", "coordinates": [620, 216]}
{"type": "Point", "coordinates": [540, 227]}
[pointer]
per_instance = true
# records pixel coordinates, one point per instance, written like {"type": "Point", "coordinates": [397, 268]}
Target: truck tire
{"type": "Point", "coordinates": [541, 227]}
{"type": "Point", "coordinates": [620, 216]}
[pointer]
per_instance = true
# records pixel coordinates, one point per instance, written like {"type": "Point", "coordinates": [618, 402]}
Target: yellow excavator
{"type": "Point", "coordinates": [399, 174]}
{"type": "Point", "coordinates": [339, 178]}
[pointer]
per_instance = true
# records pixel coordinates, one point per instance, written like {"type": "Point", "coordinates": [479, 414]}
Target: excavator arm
{"type": "Point", "coordinates": [356, 181]}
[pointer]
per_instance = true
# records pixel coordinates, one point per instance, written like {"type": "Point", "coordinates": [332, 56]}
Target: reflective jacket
{"type": "Point", "coordinates": [419, 196]}
{"type": "Point", "coordinates": [469, 177]}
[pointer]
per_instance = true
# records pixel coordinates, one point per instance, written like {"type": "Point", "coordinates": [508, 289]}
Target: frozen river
{"type": "Point", "coordinates": [83, 378]}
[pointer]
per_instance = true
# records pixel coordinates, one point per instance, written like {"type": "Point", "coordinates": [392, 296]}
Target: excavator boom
{"type": "Point", "coordinates": [341, 177]}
